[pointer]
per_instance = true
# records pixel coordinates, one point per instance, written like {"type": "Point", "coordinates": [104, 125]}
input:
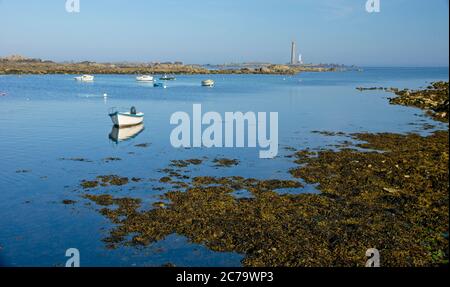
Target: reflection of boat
{"type": "Point", "coordinates": [122, 134]}
{"type": "Point", "coordinates": [167, 78]}
{"type": "Point", "coordinates": [123, 119]}
{"type": "Point", "coordinates": [159, 85]}
{"type": "Point", "coordinates": [144, 78]}
{"type": "Point", "coordinates": [85, 78]}
{"type": "Point", "coordinates": [208, 83]}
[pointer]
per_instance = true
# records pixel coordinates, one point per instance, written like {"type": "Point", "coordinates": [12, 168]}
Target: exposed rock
{"type": "Point", "coordinates": [105, 180]}
{"type": "Point", "coordinates": [434, 99]}
{"type": "Point", "coordinates": [225, 162]}
{"type": "Point", "coordinates": [68, 202]}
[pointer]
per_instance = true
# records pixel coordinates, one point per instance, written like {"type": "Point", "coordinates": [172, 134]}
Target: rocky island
{"type": "Point", "coordinates": [21, 65]}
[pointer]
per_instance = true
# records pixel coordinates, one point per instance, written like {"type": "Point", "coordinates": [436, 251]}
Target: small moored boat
{"type": "Point", "coordinates": [125, 119]}
{"type": "Point", "coordinates": [208, 83]}
{"type": "Point", "coordinates": [159, 85]}
{"type": "Point", "coordinates": [144, 78]}
{"type": "Point", "coordinates": [85, 78]}
{"type": "Point", "coordinates": [167, 78]}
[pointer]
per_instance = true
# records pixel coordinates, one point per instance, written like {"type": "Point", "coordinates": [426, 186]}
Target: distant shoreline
{"type": "Point", "coordinates": [20, 66]}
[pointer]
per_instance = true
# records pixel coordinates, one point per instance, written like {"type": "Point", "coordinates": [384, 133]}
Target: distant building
{"type": "Point", "coordinates": [293, 54]}
{"type": "Point", "coordinates": [300, 59]}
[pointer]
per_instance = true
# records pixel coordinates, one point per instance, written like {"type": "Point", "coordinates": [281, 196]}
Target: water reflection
{"type": "Point", "coordinates": [125, 133]}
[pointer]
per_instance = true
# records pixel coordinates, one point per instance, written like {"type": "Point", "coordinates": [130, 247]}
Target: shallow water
{"type": "Point", "coordinates": [46, 119]}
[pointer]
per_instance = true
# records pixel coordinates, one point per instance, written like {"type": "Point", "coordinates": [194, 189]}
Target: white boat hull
{"type": "Point", "coordinates": [144, 79]}
{"type": "Point", "coordinates": [85, 78]}
{"type": "Point", "coordinates": [126, 119]}
{"type": "Point", "coordinates": [208, 83]}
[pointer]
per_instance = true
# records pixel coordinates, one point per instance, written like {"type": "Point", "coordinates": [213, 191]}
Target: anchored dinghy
{"type": "Point", "coordinates": [208, 83]}
{"type": "Point", "coordinates": [126, 119]}
{"type": "Point", "coordinates": [160, 85]}
{"type": "Point", "coordinates": [85, 78]}
{"type": "Point", "coordinates": [144, 78]}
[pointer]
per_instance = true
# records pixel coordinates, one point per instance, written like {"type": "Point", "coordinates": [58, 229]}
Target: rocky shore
{"type": "Point", "coordinates": [20, 65]}
{"type": "Point", "coordinates": [396, 201]}
{"type": "Point", "coordinates": [433, 99]}
{"type": "Point", "coordinates": [388, 191]}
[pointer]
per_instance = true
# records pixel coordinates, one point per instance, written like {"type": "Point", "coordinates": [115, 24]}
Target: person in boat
{"type": "Point", "coordinates": [133, 111]}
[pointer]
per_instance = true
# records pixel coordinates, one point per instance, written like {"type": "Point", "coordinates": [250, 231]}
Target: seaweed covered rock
{"type": "Point", "coordinates": [434, 99]}
{"type": "Point", "coordinates": [393, 197]}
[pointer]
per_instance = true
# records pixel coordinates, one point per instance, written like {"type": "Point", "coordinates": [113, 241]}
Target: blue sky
{"type": "Point", "coordinates": [404, 33]}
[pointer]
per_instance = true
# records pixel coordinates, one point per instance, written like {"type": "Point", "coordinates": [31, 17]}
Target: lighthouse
{"type": "Point", "coordinates": [293, 54]}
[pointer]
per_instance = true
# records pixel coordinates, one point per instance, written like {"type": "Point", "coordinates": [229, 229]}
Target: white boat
{"type": "Point", "coordinates": [126, 119]}
{"type": "Point", "coordinates": [85, 78]}
{"type": "Point", "coordinates": [122, 134]}
{"type": "Point", "coordinates": [167, 78]}
{"type": "Point", "coordinates": [208, 83]}
{"type": "Point", "coordinates": [144, 78]}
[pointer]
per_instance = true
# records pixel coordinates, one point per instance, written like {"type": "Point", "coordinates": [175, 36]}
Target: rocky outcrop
{"type": "Point", "coordinates": [434, 99]}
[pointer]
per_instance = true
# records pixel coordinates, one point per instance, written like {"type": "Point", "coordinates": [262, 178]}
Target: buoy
{"type": "Point", "coordinates": [105, 95]}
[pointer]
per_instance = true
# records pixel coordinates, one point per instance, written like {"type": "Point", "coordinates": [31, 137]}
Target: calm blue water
{"type": "Point", "coordinates": [46, 118]}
